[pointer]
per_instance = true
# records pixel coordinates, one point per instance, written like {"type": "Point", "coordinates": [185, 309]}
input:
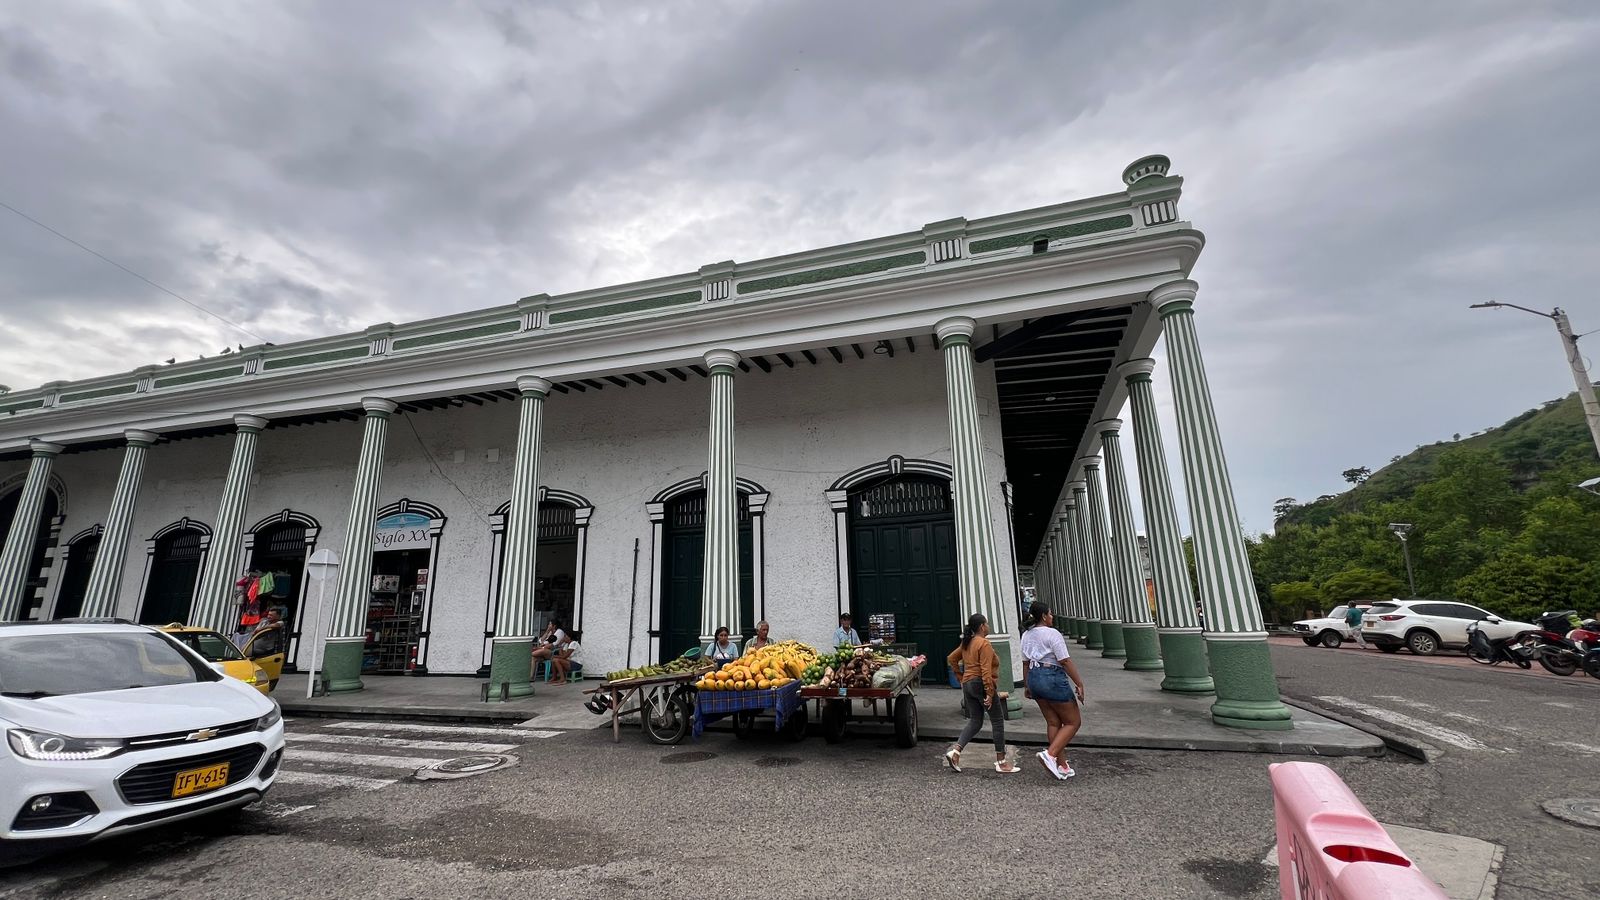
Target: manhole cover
{"type": "Point", "coordinates": [1577, 810]}
{"type": "Point", "coordinates": [465, 766]}
{"type": "Point", "coordinates": [774, 762]}
{"type": "Point", "coordinates": [673, 759]}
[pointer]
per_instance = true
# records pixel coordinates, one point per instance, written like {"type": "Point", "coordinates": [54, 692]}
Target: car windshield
{"type": "Point", "coordinates": [1376, 608]}
{"type": "Point", "coordinates": [47, 665]}
{"type": "Point", "coordinates": [211, 646]}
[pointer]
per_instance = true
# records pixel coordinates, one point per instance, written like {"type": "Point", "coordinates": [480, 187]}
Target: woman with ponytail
{"type": "Point", "coordinates": [979, 667]}
{"type": "Point", "coordinates": [1046, 666]}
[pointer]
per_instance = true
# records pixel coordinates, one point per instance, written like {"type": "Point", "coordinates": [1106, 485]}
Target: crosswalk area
{"type": "Point", "coordinates": [1478, 731]}
{"type": "Point", "coordinates": [326, 756]}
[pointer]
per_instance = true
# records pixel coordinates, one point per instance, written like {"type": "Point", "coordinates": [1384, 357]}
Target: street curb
{"type": "Point", "coordinates": [1392, 740]}
{"type": "Point", "coordinates": [1219, 745]}
{"type": "Point", "coordinates": [407, 713]}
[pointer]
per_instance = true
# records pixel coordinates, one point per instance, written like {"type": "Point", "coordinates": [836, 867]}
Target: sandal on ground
{"type": "Point", "coordinates": [952, 759]}
{"type": "Point", "coordinates": [1005, 767]}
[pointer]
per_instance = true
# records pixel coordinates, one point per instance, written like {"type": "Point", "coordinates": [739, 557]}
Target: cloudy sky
{"type": "Point", "coordinates": [1362, 172]}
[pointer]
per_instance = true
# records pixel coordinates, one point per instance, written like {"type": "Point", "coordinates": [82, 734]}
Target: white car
{"type": "Point", "coordinates": [1425, 626]}
{"type": "Point", "coordinates": [1330, 631]}
{"type": "Point", "coordinates": [110, 728]}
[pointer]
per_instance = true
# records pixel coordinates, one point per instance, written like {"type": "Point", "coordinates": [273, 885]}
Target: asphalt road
{"type": "Point", "coordinates": [579, 816]}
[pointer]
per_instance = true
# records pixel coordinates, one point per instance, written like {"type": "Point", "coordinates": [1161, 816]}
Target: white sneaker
{"type": "Point", "coordinates": [1066, 772]}
{"type": "Point", "coordinates": [1049, 764]}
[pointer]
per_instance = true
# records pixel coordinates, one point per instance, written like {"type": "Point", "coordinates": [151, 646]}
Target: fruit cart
{"type": "Point", "coordinates": [789, 711]}
{"type": "Point", "coordinates": [665, 704]}
{"type": "Point", "coordinates": [838, 705]}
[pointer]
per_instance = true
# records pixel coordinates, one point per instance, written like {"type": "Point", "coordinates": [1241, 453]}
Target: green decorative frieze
{"type": "Point", "coordinates": [193, 377]}
{"type": "Point", "coordinates": [451, 337]}
{"type": "Point", "coordinates": [97, 394]}
{"type": "Point", "coordinates": [311, 359]}
{"type": "Point", "coordinates": [1076, 229]}
{"type": "Point", "coordinates": [630, 306]}
{"type": "Point", "coordinates": [18, 407]}
{"type": "Point", "coordinates": [831, 273]}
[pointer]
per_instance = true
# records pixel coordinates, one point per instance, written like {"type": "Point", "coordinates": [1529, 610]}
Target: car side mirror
{"type": "Point", "coordinates": [1494, 620]}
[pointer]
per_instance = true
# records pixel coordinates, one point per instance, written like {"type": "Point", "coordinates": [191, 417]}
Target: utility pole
{"type": "Point", "coordinates": [1580, 372]}
{"type": "Point", "coordinates": [1401, 529]}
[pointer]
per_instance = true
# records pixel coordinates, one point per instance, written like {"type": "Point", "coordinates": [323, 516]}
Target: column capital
{"type": "Point", "coordinates": [377, 406]}
{"type": "Point", "coordinates": [1134, 368]}
{"type": "Point", "coordinates": [721, 357]}
{"type": "Point", "coordinates": [954, 327]}
{"type": "Point", "coordinates": [1164, 297]}
{"type": "Point", "coordinates": [45, 448]}
{"type": "Point", "coordinates": [134, 437]}
{"type": "Point", "coordinates": [533, 384]}
{"type": "Point", "coordinates": [1076, 486]}
{"type": "Point", "coordinates": [1108, 426]}
{"type": "Point", "coordinates": [247, 422]}
{"type": "Point", "coordinates": [1088, 462]}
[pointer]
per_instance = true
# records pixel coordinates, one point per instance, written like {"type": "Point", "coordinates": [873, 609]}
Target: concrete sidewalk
{"type": "Point", "coordinates": [1125, 709]}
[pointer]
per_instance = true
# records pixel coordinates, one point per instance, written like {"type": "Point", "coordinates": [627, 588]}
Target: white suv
{"type": "Point", "coordinates": [110, 728]}
{"type": "Point", "coordinates": [1424, 626]}
{"type": "Point", "coordinates": [1330, 631]}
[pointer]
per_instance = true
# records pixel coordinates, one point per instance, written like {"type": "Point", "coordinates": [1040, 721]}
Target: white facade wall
{"type": "Point", "coordinates": [798, 430]}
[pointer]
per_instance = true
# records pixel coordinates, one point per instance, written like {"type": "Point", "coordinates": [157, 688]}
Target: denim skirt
{"type": "Point", "coordinates": [1050, 683]}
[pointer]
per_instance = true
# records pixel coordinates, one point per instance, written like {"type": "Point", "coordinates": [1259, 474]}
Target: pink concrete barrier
{"type": "Point", "coordinates": [1330, 847]}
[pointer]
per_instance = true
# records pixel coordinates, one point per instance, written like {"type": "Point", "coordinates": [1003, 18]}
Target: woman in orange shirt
{"type": "Point", "coordinates": [980, 667]}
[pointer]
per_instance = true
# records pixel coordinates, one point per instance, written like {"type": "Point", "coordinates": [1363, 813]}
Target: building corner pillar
{"type": "Point", "coordinates": [105, 579]}
{"type": "Point", "coordinates": [1236, 639]}
{"type": "Point", "coordinates": [17, 555]}
{"type": "Point", "coordinates": [1138, 629]}
{"type": "Point", "coordinates": [1100, 562]}
{"type": "Point", "coordinates": [719, 594]}
{"type": "Point", "coordinates": [214, 598]}
{"type": "Point", "coordinates": [1091, 635]}
{"type": "Point", "coordinates": [511, 660]}
{"type": "Point", "coordinates": [347, 633]}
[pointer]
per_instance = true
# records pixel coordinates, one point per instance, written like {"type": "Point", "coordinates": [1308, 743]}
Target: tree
{"type": "Point", "coordinates": [1357, 583]}
{"type": "Point", "coordinates": [1520, 586]}
{"type": "Point", "coordinates": [1456, 436]}
{"type": "Point", "coordinates": [1283, 506]}
{"type": "Point", "coordinates": [1296, 600]}
{"type": "Point", "coordinates": [1356, 475]}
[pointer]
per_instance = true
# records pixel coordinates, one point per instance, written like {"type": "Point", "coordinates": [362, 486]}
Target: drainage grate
{"type": "Point", "coordinates": [673, 759]}
{"type": "Point", "coordinates": [776, 762]}
{"type": "Point", "coordinates": [465, 767]}
{"type": "Point", "coordinates": [1577, 810]}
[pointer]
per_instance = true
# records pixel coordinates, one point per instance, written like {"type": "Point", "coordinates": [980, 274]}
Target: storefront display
{"type": "Point", "coordinates": [401, 558]}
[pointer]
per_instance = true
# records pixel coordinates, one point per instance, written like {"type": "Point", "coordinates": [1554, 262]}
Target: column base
{"type": "Point", "coordinates": [341, 665]}
{"type": "Point", "coordinates": [1247, 689]}
{"type": "Point", "coordinates": [1005, 681]}
{"type": "Point", "coordinates": [1093, 637]}
{"type": "Point", "coordinates": [511, 664]}
{"type": "Point", "coordinates": [1185, 656]}
{"type": "Point", "coordinates": [1144, 651]}
{"type": "Point", "coordinates": [1113, 646]}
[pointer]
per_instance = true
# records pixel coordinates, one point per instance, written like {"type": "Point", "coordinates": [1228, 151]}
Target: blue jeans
{"type": "Point", "coordinates": [1049, 683]}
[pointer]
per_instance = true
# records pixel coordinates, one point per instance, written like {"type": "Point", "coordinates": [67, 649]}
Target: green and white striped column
{"type": "Point", "coordinates": [1064, 574]}
{"type": "Point", "coordinates": [214, 601]}
{"type": "Point", "coordinates": [1100, 555]}
{"type": "Point", "coordinates": [347, 631]}
{"type": "Point", "coordinates": [105, 579]}
{"type": "Point", "coordinates": [511, 659]}
{"type": "Point", "coordinates": [976, 558]}
{"type": "Point", "coordinates": [1092, 636]}
{"type": "Point", "coordinates": [719, 597]}
{"type": "Point", "coordinates": [1178, 628]}
{"type": "Point", "coordinates": [1138, 629]}
{"type": "Point", "coordinates": [1236, 639]}
{"type": "Point", "coordinates": [17, 554]}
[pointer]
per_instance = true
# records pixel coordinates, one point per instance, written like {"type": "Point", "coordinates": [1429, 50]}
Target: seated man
{"type": "Point", "coordinates": [845, 633]}
{"type": "Point", "coordinates": [267, 638]}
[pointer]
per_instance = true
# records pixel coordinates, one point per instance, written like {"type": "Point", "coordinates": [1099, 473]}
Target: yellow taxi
{"type": "Point", "coordinates": [260, 663]}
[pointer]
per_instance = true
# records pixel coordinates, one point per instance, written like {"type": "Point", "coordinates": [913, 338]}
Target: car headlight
{"type": "Point", "coordinates": [273, 717]}
{"type": "Point", "coordinates": [43, 745]}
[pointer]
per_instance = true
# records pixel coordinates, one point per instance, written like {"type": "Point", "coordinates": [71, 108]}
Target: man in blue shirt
{"type": "Point", "coordinates": [845, 634]}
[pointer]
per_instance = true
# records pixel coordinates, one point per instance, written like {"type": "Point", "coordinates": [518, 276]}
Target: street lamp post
{"type": "Point", "coordinates": [1580, 372]}
{"type": "Point", "coordinates": [1401, 529]}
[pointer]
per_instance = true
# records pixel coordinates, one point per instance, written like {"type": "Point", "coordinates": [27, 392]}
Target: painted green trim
{"type": "Point", "coordinates": [341, 663]}
{"type": "Point", "coordinates": [722, 370]}
{"type": "Point", "coordinates": [831, 273]}
{"type": "Point", "coordinates": [1177, 306]}
{"type": "Point", "coordinates": [955, 340]}
{"type": "Point", "coordinates": [1247, 691]}
{"type": "Point", "coordinates": [1076, 229]}
{"type": "Point", "coordinates": [311, 359]}
{"type": "Point", "coordinates": [1140, 378]}
{"type": "Point", "coordinates": [1144, 651]}
{"type": "Point", "coordinates": [1094, 637]}
{"type": "Point", "coordinates": [18, 407]}
{"type": "Point", "coordinates": [511, 662]}
{"type": "Point", "coordinates": [1185, 659]}
{"type": "Point", "coordinates": [212, 375]}
{"type": "Point", "coordinates": [630, 306]}
{"type": "Point", "coordinates": [117, 391]}
{"type": "Point", "coordinates": [450, 337]}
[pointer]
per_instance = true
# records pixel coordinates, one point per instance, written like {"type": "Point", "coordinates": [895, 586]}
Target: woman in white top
{"type": "Point", "coordinates": [1046, 666]}
{"type": "Point", "coordinates": [567, 659]}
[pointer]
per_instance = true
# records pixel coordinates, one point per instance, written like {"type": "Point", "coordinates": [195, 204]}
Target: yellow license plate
{"type": "Point", "coordinates": [195, 781]}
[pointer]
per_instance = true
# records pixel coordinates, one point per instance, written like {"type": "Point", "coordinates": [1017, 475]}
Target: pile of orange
{"type": "Point", "coordinates": [736, 677]}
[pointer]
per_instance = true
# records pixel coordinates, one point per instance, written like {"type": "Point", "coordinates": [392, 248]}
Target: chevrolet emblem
{"type": "Point", "coordinates": [204, 734]}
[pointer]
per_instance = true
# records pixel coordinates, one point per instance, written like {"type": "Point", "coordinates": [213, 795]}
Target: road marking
{"type": "Point", "coordinates": [1427, 729]}
{"type": "Point", "coordinates": [443, 729]}
{"type": "Point", "coordinates": [1581, 748]}
{"type": "Point", "coordinates": [1559, 705]}
{"type": "Point", "coordinates": [402, 743]}
{"type": "Point", "coordinates": [1428, 707]}
{"type": "Point", "coordinates": [329, 779]}
{"type": "Point", "coordinates": [362, 759]}
{"type": "Point", "coordinates": [279, 811]}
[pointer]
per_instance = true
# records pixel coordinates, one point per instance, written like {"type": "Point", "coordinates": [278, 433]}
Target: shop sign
{"type": "Point", "coordinates": [401, 531]}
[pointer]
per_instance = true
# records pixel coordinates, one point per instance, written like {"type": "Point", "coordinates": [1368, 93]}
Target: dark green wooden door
{"type": "Point", "coordinates": [75, 582]}
{"type": "Point", "coordinates": [682, 575]}
{"type": "Point", "coordinates": [173, 572]}
{"type": "Point", "coordinates": [903, 561]}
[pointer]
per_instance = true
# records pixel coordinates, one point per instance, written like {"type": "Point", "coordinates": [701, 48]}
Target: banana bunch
{"type": "Point", "coordinates": [788, 657]}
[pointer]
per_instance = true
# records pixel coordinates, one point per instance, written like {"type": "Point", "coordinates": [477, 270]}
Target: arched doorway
{"type": "Point", "coordinates": [77, 561]}
{"type": "Point", "coordinates": [679, 535]}
{"type": "Point", "coordinates": [899, 545]}
{"type": "Point", "coordinates": [281, 544]}
{"type": "Point", "coordinates": [563, 546]}
{"type": "Point", "coordinates": [174, 558]}
{"type": "Point", "coordinates": [51, 515]}
{"type": "Point", "coordinates": [400, 606]}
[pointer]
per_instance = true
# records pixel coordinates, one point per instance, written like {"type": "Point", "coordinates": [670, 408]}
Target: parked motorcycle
{"type": "Point", "coordinates": [1587, 640]}
{"type": "Point", "coordinates": [1489, 651]}
{"type": "Point", "coordinates": [1555, 651]}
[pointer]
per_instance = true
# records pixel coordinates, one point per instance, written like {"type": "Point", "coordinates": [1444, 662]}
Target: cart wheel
{"type": "Point", "coordinates": [794, 727]}
{"type": "Point", "coordinates": [834, 716]}
{"type": "Point", "coordinates": [905, 722]}
{"type": "Point", "coordinates": [671, 723]}
{"type": "Point", "coordinates": [741, 723]}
